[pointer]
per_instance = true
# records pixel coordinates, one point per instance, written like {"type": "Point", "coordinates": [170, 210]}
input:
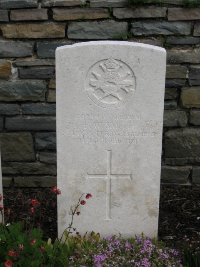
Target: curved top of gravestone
{"type": "Point", "coordinates": [118, 43]}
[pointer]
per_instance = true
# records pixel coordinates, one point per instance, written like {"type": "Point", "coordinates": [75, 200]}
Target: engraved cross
{"type": "Point", "coordinates": [108, 177]}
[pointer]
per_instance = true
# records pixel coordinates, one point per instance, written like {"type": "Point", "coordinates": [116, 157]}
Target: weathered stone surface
{"type": "Point", "coordinates": [176, 175]}
{"type": "Point", "coordinates": [175, 83]}
{"type": "Point", "coordinates": [1, 123]}
{"type": "Point", "coordinates": [109, 131]}
{"type": "Point", "coordinates": [183, 14]}
{"type": "Point", "coordinates": [47, 49]}
{"type": "Point", "coordinates": [140, 12]}
{"type": "Point", "coordinates": [38, 109]}
{"type": "Point", "coordinates": [29, 14]}
{"type": "Point", "coordinates": [5, 69]}
{"type": "Point", "coordinates": [171, 2]}
{"type": "Point", "coordinates": [171, 93]}
{"type": "Point", "coordinates": [52, 84]}
{"type": "Point", "coordinates": [190, 97]}
{"type": "Point", "coordinates": [107, 29]}
{"type": "Point", "coordinates": [80, 13]}
{"type": "Point", "coordinates": [31, 123]}
{"type": "Point", "coordinates": [160, 27]}
{"type": "Point", "coordinates": [175, 118]}
{"type": "Point", "coordinates": [170, 104]}
{"type": "Point", "coordinates": [50, 3]}
{"type": "Point", "coordinates": [22, 90]}
{"type": "Point", "coordinates": [194, 75]}
{"type": "Point", "coordinates": [15, 49]}
{"type": "Point", "coordinates": [182, 143]}
{"type": "Point", "coordinates": [176, 71]}
{"type": "Point", "coordinates": [29, 168]}
{"type": "Point", "coordinates": [184, 55]}
{"type": "Point", "coordinates": [51, 97]}
{"type": "Point", "coordinates": [195, 117]}
{"type": "Point", "coordinates": [9, 109]}
{"type": "Point", "coordinates": [34, 30]}
{"type": "Point", "coordinates": [17, 147]}
{"type": "Point", "coordinates": [34, 62]}
{"type": "Point", "coordinates": [197, 29]}
{"type": "Point", "coordinates": [196, 175]}
{"type": "Point", "coordinates": [47, 157]}
{"type": "Point", "coordinates": [4, 15]}
{"type": "Point", "coordinates": [37, 72]}
{"type": "Point", "coordinates": [29, 181]}
{"type": "Point", "coordinates": [45, 141]}
{"type": "Point", "coordinates": [108, 3]}
{"type": "Point", "coordinates": [6, 4]}
{"type": "Point", "coordinates": [179, 40]}
{"type": "Point", "coordinates": [148, 40]}
{"type": "Point", "coordinates": [182, 161]}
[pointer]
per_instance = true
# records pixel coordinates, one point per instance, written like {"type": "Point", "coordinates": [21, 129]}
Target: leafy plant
{"type": "Point", "coordinates": [191, 251]}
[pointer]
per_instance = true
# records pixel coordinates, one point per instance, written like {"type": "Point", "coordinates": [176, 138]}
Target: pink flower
{"type": "Point", "coordinates": [88, 196]}
{"type": "Point", "coordinates": [55, 190]}
{"type": "Point", "coordinates": [8, 263]}
{"type": "Point", "coordinates": [83, 202]}
{"type": "Point", "coordinates": [12, 253]}
{"type": "Point", "coordinates": [35, 202]}
{"type": "Point", "coordinates": [33, 242]}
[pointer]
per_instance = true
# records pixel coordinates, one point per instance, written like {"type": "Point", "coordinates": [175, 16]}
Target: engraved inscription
{"type": "Point", "coordinates": [110, 82]}
{"type": "Point", "coordinates": [108, 178]}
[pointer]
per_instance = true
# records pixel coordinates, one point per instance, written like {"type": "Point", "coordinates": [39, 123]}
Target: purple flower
{"type": "Point", "coordinates": [98, 260]}
{"type": "Point", "coordinates": [128, 245]}
{"type": "Point", "coordinates": [145, 263]}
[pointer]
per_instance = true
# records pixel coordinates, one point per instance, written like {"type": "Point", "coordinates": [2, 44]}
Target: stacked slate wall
{"type": "Point", "coordinates": [30, 31]}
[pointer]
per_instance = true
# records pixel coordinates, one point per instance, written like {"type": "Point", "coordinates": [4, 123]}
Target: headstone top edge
{"type": "Point", "coordinates": [119, 43]}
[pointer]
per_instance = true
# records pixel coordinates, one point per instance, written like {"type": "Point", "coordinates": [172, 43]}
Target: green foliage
{"type": "Point", "coordinates": [191, 251]}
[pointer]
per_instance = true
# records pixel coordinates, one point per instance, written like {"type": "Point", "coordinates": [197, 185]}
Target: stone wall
{"type": "Point", "coordinates": [30, 31]}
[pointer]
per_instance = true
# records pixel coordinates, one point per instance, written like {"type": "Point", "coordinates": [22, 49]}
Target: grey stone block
{"type": "Point", "coordinates": [195, 117]}
{"type": "Point", "coordinates": [160, 27]}
{"type": "Point", "coordinates": [108, 3]}
{"type": "Point", "coordinates": [170, 104]}
{"type": "Point", "coordinates": [29, 181]}
{"type": "Point", "coordinates": [47, 157]}
{"type": "Point", "coordinates": [9, 109]}
{"type": "Point", "coordinates": [194, 75]}
{"type": "Point", "coordinates": [34, 62]}
{"type": "Point", "coordinates": [196, 175]}
{"type": "Point", "coordinates": [50, 3]}
{"type": "Point", "coordinates": [30, 123]}
{"type": "Point", "coordinates": [6, 4]}
{"type": "Point", "coordinates": [4, 16]}
{"type": "Point", "coordinates": [175, 175]}
{"type": "Point", "coordinates": [1, 123]}
{"type": "Point", "coordinates": [29, 168]}
{"type": "Point", "coordinates": [17, 147]}
{"type": "Point", "coordinates": [45, 141]}
{"type": "Point", "coordinates": [107, 29]}
{"type": "Point", "coordinates": [175, 83]}
{"type": "Point", "coordinates": [186, 40]}
{"type": "Point", "coordinates": [171, 93]}
{"type": "Point", "coordinates": [189, 55]}
{"type": "Point", "coordinates": [22, 90]}
{"type": "Point", "coordinates": [176, 71]}
{"type": "Point", "coordinates": [38, 109]}
{"type": "Point", "coordinates": [37, 73]}
{"type": "Point", "coordinates": [47, 49]}
{"type": "Point", "coordinates": [175, 118]}
{"type": "Point", "coordinates": [140, 12]}
{"type": "Point", "coordinates": [15, 49]}
{"type": "Point", "coordinates": [182, 143]}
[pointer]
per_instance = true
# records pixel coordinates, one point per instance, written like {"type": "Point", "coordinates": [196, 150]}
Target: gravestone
{"type": "Point", "coordinates": [110, 98]}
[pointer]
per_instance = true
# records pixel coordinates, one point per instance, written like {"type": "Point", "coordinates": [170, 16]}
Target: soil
{"type": "Point", "coordinates": [179, 210]}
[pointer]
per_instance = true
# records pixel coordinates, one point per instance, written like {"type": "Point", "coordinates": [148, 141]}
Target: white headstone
{"type": "Point", "coordinates": [110, 98]}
